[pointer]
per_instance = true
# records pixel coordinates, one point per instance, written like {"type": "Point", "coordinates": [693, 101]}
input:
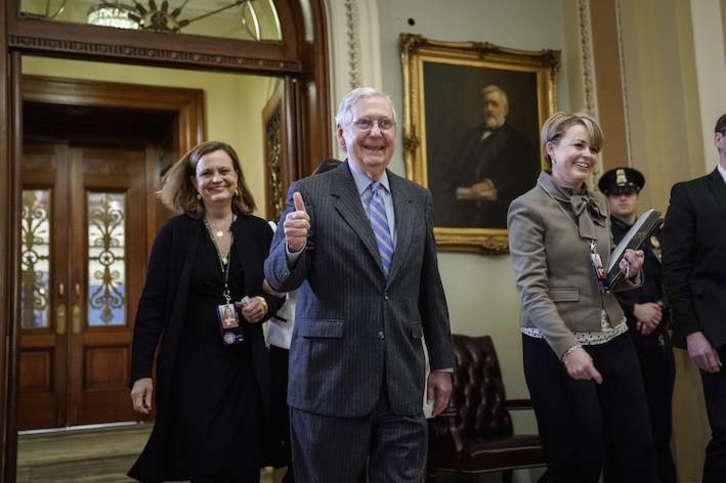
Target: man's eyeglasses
{"type": "Point", "coordinates": [366, 125]}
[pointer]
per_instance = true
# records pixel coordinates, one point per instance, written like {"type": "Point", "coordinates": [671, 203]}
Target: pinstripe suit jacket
{"type": "Point", "coordinates": [355, 330]}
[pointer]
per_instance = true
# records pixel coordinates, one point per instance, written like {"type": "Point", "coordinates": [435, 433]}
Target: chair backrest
{"type": "Point", "coordinates": [478, 396]}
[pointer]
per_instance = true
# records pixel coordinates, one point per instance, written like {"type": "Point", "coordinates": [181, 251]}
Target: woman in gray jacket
{"type": "Point", "coordinates": [581, 368]}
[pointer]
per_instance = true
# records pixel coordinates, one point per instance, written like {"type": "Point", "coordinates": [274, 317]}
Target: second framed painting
{"type": "Point", "coordinates": [472, 113]}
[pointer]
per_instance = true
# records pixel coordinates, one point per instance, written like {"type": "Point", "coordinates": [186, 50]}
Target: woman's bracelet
{"type": "Point", "coordinates": [264, 303]}
{"type": "Point", "coordinates": [569, 351]}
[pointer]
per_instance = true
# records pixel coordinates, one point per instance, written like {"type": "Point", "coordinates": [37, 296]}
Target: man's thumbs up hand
{"type": "Point", "coordinates": [297, 225]}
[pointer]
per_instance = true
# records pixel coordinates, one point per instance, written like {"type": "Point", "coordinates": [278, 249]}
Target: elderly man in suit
{"type": "Point", "coordinates": [694, 262]}
{"type": "Point", "coordinates": [358, 243]}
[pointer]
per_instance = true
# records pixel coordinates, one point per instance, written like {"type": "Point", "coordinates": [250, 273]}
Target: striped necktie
{"type": "Point", "coordinates": [379, 223]}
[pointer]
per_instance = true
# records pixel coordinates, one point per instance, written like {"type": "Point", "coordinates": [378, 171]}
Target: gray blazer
{"type": "Point", "coordinates": [354, 330]}
{"type": "Point", "coordinates": [549, 241]}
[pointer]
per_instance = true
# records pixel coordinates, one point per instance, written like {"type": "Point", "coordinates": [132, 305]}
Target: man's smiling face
{"type": "Point", "coordinates": [370, 150]}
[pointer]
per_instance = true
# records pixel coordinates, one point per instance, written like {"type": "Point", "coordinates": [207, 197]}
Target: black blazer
{"type": "Point", "coordinates": [162, 312]}
{"type": "Point", "coordinates": [694, 257]}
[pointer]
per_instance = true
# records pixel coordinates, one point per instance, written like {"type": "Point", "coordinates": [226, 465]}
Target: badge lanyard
{"type": "Point", "coordinates": [225, 268]}
{"type": "Point", "coordinates": [232, 332]}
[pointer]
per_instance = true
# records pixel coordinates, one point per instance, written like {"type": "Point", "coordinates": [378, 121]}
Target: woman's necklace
{"type": "Point", "coordinates": [218, 231]}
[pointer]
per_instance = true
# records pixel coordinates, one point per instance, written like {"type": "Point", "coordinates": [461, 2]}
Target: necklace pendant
{"type": "Point", "coordinates": [219, 233]}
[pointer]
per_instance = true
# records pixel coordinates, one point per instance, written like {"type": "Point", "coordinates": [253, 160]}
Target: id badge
{"type": "Point", "coordinates": [601, 274]}
{"type": "Point", "coordinates": [232, 332]}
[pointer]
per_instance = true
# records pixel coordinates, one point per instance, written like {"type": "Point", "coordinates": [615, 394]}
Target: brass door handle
{"type": "Point", "coordinates": [76, 314]}
{"type": "Point", "coordinates": [60, 319]}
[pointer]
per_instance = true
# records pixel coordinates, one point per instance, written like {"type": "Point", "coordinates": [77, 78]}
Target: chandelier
{"type": "Point", "coordinates": [160, 17]}
{"type": "Point", "coordinates": [110, 16]}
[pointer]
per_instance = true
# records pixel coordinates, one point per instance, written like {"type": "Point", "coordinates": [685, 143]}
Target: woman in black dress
{"type": "Point", "coordinates": [212, 388]}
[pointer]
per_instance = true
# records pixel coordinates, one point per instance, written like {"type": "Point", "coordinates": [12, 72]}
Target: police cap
{"type": "Point", "coordinates": [619, 181]}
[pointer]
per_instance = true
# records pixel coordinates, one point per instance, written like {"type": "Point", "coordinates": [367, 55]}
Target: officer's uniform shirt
{"type": "Point", "coordinates": [651, 289]}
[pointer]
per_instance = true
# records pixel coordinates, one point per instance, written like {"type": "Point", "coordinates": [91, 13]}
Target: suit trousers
{"type": "Point", "coordinates": [714, 390]}
{"type": "Point", "coordinates": [587, 427]}
{"type": "Point", "coordinates": [328, 449]}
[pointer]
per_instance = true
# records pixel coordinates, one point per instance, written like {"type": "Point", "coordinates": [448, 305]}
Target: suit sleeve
{"type": "Point", "coordinates": [150, 323]}
{"type": "Point", "coordinates": [279, 274]}
{"type": "Point", "coordinates": [273, 303]}
{"type": "Point", "coordinates": [529, 263]}
{"type": "Point", "coordinates": [432, 302]}
{"type": "Point", "coordinates": [679, 251]}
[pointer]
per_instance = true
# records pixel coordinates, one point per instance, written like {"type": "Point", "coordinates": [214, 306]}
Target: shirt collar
{"type": "Point", "coordinates": [363, 181]}
{"type": "Point", "coordinates": [722, 171]}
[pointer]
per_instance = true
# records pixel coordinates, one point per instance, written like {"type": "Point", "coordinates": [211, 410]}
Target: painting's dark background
{"type": "Point", "coordinates": [454, 104]}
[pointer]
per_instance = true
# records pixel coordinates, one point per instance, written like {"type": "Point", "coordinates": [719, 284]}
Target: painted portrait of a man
{"type": "Point", "coordinates": [488, 154]}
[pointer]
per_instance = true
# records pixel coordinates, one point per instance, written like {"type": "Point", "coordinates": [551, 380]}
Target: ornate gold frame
{"type": "Point", "coordinates": [415, 50]}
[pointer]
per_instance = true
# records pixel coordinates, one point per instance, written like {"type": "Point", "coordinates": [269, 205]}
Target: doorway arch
{"type": "Point", "coordinates": [301, 59]}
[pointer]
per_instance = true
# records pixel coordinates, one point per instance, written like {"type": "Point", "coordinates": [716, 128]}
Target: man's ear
{"type": "Point", "coordinates": [341, 137]}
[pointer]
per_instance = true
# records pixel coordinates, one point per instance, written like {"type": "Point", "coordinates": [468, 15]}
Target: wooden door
{"type": "Point", "coordinates": [44, 287]}
{"type": "Point", "coordinates": [74, 369]}
{"type": "Point", "coordinates": [108, 255]}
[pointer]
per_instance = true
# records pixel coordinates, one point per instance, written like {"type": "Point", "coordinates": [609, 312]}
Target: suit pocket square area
{"type": "Point", "coordinates": [326, 329]}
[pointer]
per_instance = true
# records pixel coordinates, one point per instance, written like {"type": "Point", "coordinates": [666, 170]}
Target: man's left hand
{"type": "Point", "coordinates": [632, 262]}
{"type": "Point", "coordinates": [438, 390]}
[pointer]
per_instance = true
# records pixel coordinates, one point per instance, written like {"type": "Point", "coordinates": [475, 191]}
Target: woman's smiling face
{"type": "Point", "coordinates": [215, 178]}
{"type": "Point", "coordinates": [572, 157]}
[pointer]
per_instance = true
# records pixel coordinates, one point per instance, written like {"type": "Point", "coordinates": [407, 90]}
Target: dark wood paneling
{"type": "Point", "coordinates": [13, 152]}
{"type": "Point", "coordinates": [5, 243]}
{"type": "Point", "coordinates": [36, 369]}
{"type": "Point", "coordinates": [106, 367]}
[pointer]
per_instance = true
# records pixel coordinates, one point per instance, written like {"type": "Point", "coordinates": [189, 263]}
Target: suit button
{"type": "Point", "coordinates": [381, 336]}
{"type": "Point", "coordinates": [385, 296]}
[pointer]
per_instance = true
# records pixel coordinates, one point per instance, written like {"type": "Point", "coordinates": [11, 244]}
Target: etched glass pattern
{"type": "Point", "coordinates": [106, 259]}
{"type": "Point", "coordinates": [35, 259]}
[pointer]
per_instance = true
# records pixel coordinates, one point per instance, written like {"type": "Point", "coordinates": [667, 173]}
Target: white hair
{"type": "Point", "coordinates": [345, 109]}
{"type": "Point", "coordinates": [491, 88]}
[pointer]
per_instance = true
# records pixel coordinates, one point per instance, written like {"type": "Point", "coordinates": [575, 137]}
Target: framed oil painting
{"type": "Point", "coordinates": [472, 113]}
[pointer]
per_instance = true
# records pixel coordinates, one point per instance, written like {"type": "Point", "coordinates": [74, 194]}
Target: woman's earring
{"type": "Point", "coordinates": [236, 191]}
{"type": "Point", "coordinates": [199, 197]}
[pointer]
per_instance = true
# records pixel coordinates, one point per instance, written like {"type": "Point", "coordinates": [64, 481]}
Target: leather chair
{"type": "Point", "coordinates": [474, 434]}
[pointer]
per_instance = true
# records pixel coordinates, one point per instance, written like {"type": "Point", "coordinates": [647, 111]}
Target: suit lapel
{"type": "Point", "coordinates": [718, 188]}
{"type": "Point", "coordinates": [348, 205]}
{"type": "Point", "coordinates": [405, 212]}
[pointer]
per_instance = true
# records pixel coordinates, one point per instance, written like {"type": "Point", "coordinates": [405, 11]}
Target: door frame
{"type": "Point", "coordinates": [302, 56]}
{"type": "Point", "coordinates": [187, 106]}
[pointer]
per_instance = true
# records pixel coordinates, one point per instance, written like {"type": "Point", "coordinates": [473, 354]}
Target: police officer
{"type": "Point", "coordinates": [647, 314]}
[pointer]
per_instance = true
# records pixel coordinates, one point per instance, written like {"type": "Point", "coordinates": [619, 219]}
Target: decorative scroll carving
{"type": "Point", "coordinates": [275, 181]}
{"type": "Point", "coordinates": [353, 41]}
{"type": "Point", "coordinates": [140, 53]}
